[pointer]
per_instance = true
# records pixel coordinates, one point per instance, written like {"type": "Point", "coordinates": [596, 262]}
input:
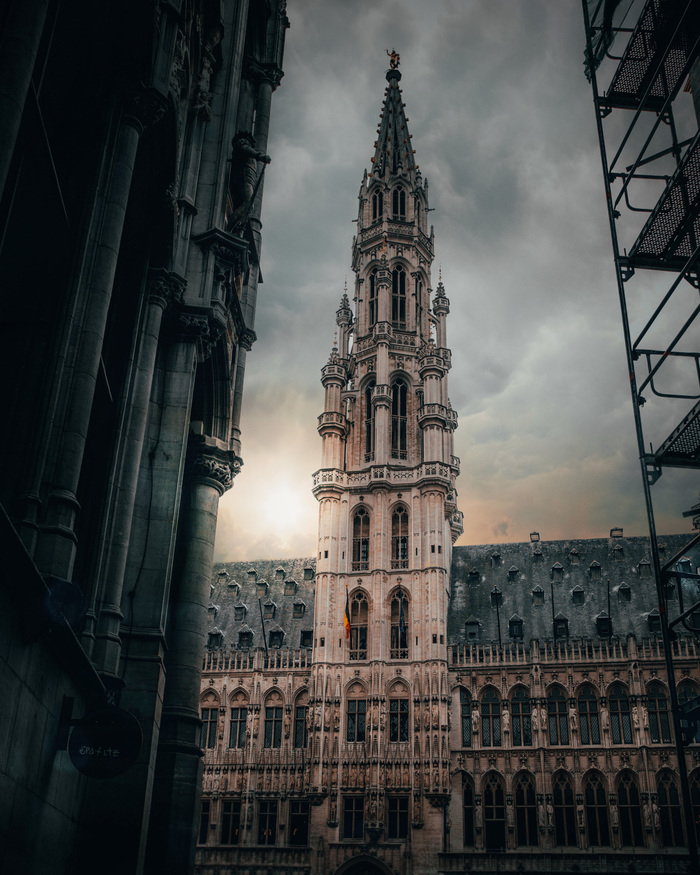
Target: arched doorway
{"type": "Point", "coordinates": [363, 865]}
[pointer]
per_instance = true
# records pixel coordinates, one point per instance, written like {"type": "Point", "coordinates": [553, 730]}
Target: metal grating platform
{"type": "Point", "coordinates": [682, 447]}
{"type": "Point", "coordinates": [672, 231]}
{"type": "Point", "coordinates": [652, 37]}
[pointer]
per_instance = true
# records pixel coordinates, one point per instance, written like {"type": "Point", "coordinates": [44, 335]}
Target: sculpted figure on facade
{"type": "Point", "coordinates": [573, 718]}
{"type": "Point", "coordinates": [475, 719]}
{"type": "Point", "coordinates": [505, 721]}
{"type": "Point", "coordinates": [244, 176]}
{"type": "Point", "coordinates": [604, 718]}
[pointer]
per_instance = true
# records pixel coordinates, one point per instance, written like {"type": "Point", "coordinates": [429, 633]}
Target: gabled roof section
{"type": "Point", "coordinates": [393, 153]}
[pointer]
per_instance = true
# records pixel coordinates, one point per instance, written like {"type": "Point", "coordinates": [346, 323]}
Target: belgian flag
{"type": "Point", "coordinates": [346, 615]}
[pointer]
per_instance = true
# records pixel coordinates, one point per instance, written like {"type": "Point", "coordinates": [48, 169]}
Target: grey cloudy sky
{"type": "Point", "coordinates": [504, 131]}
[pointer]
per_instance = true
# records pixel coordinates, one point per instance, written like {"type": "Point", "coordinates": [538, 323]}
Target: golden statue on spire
{"type": "Point", "coordinates": [394, 58]}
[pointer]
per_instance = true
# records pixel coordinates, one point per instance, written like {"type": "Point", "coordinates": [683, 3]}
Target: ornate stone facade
{"type": "Point", "coordinates": [394, 706]}
{"type": "Point", "coordinates": [123, 354]}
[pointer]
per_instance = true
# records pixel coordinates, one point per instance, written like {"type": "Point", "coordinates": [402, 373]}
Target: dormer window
{"type": "Point", "coordinates": [252, 575]}
{"type": "Point", "coordinates": [245, 639]}
{"type": "Point", "coordinates": [594, 570]}
{"type": "Point", "coordinates": [269, 609]}
{"type": "Point", "coordinates": [561, 626]}
{"type": "Point", "coordinates": [603, 624]}
{"type": "Point", "coordinates": [279, 573]}
{"type": "Point", "coordinates": [261, 588]}
{"type": "Point", "coordinates": [298, 609]}
{"type": "Point", "coordinates": [537, 596]}
{"type": "Point", "coordinates": [496, 597]}
{"type": "Point", "coordinates": [473, 577]}
{"type": "Point", "coordinates": [471, 629]}
{"type": "Point", "coordinates": [578, 596]}
{"type": "Point", "coordinates": [624, 593]}
{"type": "Point", "coordinates": [276, 638]}
{"type": "Point", "coordinates": [644, 568]}
{"type": "Point", "coordinates": [618, 553]}
{"type": "Point", "coordinates": [574, 557]}
{"type": "Point", "coordinates": [215, 639]}
{"type": "Point", "coordinates": [239, 612]}
{"type": "Point", "coordinates": [495, 560]}
{"type": "Point", "coordinates": [537, 555]}
{"type": "Point", "coordinates": [308, 573]}
{"type": "Point", "coordinates": [515, 627]}
{"type": "Point", "coordinates": [290, 587]}
{"type": "Point", "coordinates": [557, 572]}
{"type": "Point", "coordinates": [512, 574]}
{"type": "Point", "coordinates": [306, 638]}
{"type": "Point", "coordinates": [654, 621]}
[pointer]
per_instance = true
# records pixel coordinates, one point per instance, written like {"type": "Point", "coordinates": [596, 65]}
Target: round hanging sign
{"type": "Point", "coordinates": [105, 742]}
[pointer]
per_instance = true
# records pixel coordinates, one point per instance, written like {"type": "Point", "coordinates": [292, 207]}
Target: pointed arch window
{"type": "Point", "coordinates": [659, 724]}
{"type": "Point", "coordinates": [556, 713]}
{"type": "Point", "coordinates": [494, 813]}
{"type": "Point", "coordinates": [360, 541]}
{"type": "Point", "coordinates": [620, 720]}
{"type": "Point", "coordinates": [399, 202]}
{"type": "Point", "coordinates": [490, 719]}
{"type": "Point", "coordinates": [238, 720]}
{"type": "Point", "coordinates": [526, 811]}
{"type": "Point", "coordinates": [377, 205]}
{"type": "Point", "coordinates": [686, 693]}
{"type": "Point", "coordinates": [399, 625]}
{"type": "Point", "coordinates": [358, 626]}
{"type": "Point", "coordinates": [356, 714]}
{"type": "Point", "coordinates": [207, 738]}
{"type": "Point", "coordinates": [398, 297]}
{"type": "Point", "coordinates": [273, 726]}
{"type": "Point", "coordinates": [520, 710]}
{"type": "Point", "coordinates": [369, 422]}
{"type": "Point", "coordinates": [631, 832]}
{"type": "Point", "coordinates": [468, 810]}
{"type": "Point", "coordinates": [398, 715]}
{"type": "Point", "coordinates": [588, 717]}
{"type": "Point", "coordinates": [373, 299]}
{"type": "Point", "coordinates": [670, 811]}
{"type": "Point", "coordinates": [564, 810]}
{"type": "Point", "coordinates": [465, 713]}
{"type": "Point", "coordinates": [399, 397]}
{"type": "Point", "coordinates": [596, 807]}
{"type": "Point", "coordinates": [399, 538]}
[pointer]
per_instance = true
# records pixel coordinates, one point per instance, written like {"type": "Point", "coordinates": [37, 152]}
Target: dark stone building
{"type": "Point", "coordinates": [133, 140]}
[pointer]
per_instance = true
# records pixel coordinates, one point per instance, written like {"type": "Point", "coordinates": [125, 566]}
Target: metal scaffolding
{"type": "Point", "coordinates": [642, 60]}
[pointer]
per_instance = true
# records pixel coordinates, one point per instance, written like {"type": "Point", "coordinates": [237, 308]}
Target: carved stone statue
{"type": "Point", "coordinates": [550, 814]}
{"type": "Point", "coordinates": [475, 720]}
{"type": "Point", "coordinates": [614, 816]}
{"type": "Point", "coordinates": [579, 815]}
{"type": "Point", "coordinates": [573, 718]}
{"type": "Point", "coordinates": [478, 817]}
{"type": "Point", "coordinates": [505, 721]}
{"type": "Point", "coordinates": [541, 820]}
{"type": "Point", "coordinates": [657, 815]}
{"type": "Point", "coordinates": [604, 718]}
{"type": "Point", "coordinates": [244, 176]}
{"type": "Point", "coordinates": [436, 715]}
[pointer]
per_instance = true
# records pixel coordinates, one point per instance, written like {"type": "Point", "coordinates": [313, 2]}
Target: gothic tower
{"type": "Point", "coordinates": [387, 519]}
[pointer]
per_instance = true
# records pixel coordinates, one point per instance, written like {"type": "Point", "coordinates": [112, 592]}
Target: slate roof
{"type": "Point", "coordinates": [516, 570]}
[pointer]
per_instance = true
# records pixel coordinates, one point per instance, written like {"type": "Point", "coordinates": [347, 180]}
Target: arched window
{"type": "Point", "coordinates": [398, 297]}
{"type": "Point", "coordinates": [372, 310]}
{"type": "Point", "coordinates": [620, 720]}
{"type": "Point", "coordinates": [273, 720]}
{"type": "Point", "coordinates": [631, 832]}
{"type": "Point", "coordinates": [301, 713]}
{"type": "Point", "coordinates": [490, 719]}
{"type": "Point", "coordinates": [399, 202]}
{"type": "Point", "coordinates": [399, 394]}
{"type": "Point", "coordinates": [657, 705]}
{"type": "Point", "coordinates": [358, 626]}
{"type": "Point", "coordinates": [360, 540]}
{"type": "Point", "coordinates": [239, 717]}
{"type": "Point", "coordinates": [686, 693]}
{"type": "Point", "coordinates": [669, 810]}
{"type": "Point", "coordinates": [520, 710]}
{"type": "Point", "coordinates": [377, 205]}
{"type": "Point", "coordinates": [468, 810]}
{"type": "Point", "coordinates": [526, 811]}
{"type": "Point", "coordinates": [210, 716]}
{"type": "Point", "coordinates": [596, 805]}
{"type": "Point", "coordinates": [694, 782]}
{"type": "Point", "coordinates": [494, 812]}
{"type": "Point", "coordinates": [398, 714]}
{"type": "Point", "coordinates": [369, 422]}
{"type": "Point", "coordinates": [357, 713]}
{"type": "Point", "coordinates": [399, 625]}
{"type": "Point", "coordinates": [465, 713]}
{"type": "Point", "coordinates": [399, 538]}
{"type": "Point", "coordinates": [588, 717]}
{"type": "Point", "coordinates": [564, 810]}
{"type": "Point", "coordinates": [556, 713]}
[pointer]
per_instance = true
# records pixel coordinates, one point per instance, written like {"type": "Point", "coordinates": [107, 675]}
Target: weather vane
{"type": "Point", "coordinates": [394, 58]}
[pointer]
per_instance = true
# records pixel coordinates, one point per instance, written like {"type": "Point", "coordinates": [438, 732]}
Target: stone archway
{"type": "Point", "coordinates": [363, 865]}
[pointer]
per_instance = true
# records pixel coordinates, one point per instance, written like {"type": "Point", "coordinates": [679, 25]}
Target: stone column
{"type": "Point", "coordinates": [164, 288]}
{"type": "Point", "coordinates": [57, 542]}
{"type": "Point", "coordinates": [171, 841]}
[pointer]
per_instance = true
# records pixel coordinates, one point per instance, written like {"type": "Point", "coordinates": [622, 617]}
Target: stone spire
{"type": "Point", "coordinates": [393, 152]}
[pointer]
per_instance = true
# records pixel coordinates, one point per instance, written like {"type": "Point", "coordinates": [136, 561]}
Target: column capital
{"type": "Point", "coordinates": [214, 466]}
{"type": "Point", "coordinates": [166, 288]}
{"type": "Point", "coordinates": [144, 107]}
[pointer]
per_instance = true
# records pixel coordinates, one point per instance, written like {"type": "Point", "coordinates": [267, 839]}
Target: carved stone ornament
{"type": "Point", "coordinates": [211, 467]}
{"type": "Point", "coordinates": [262, 73]}
{"type": "Point", "coordinates": [144, 108]}
{"type": "Point", "coordinates": [192, 326]}
{"type": "Point", "coordinates": [166, 288]}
